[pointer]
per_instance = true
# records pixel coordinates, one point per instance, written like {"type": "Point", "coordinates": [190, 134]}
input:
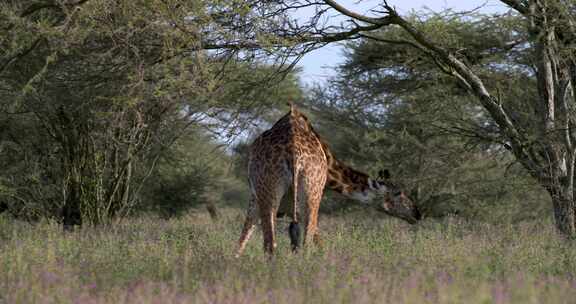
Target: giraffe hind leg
{"type": "Point", "coordinates": [311, 226]}
{"type": "Point", "coordinates": [268, 200]}
{"type": "Point", "coordinates": [267, 221]}
{"type": "Point", "coordinates": [313, 195]}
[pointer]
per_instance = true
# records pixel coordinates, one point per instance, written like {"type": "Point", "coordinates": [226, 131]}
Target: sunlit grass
{"type": "Point", "coordinates": [364, 259]}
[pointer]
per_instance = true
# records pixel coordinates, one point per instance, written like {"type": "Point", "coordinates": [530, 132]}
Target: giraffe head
{"type": "Point", "coordinates": [395, 202]}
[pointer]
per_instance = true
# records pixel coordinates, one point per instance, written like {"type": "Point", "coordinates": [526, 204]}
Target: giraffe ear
{"type": "Point", "coordinates": [384, 174]}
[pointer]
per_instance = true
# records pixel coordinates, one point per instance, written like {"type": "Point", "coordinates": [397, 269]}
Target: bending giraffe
{"type": "Point", "coordinates": [291, 156]}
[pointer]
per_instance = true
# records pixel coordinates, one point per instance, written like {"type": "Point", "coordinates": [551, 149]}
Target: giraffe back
{"type": "Point", "coordinates": [287, 149]}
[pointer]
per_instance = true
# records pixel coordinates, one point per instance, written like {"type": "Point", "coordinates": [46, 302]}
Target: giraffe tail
{"type": "Point", "coordinates": [294, 231]}
{"type": "Point", "coordinates": [294, 228]}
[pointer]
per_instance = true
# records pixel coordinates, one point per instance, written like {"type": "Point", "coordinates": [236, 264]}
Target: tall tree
{"type": "Point", "coordinates": [389, 104]}
{"type": "Point", "coordinates": [545, 147]}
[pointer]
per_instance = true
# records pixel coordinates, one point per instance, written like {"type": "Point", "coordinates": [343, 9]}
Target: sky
{"type": "Point", "coordinates": [319, 65]}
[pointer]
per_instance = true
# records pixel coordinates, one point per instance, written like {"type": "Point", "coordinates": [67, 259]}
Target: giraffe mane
{"type": "Point", "coordinates": [341, 177]}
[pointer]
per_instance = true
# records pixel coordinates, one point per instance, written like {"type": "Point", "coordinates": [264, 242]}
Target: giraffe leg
{"type": "Point", "coordinates": [314, 189]}
{"type": "Point", "coordinates": [311, 225]}
{"type": "Point", "coordinates": [317, 239]}
{"type": "Point", "coordinates": [248, 229]}
{"type": "Point", "coordinates": [268, 197]}
{"type": "Point", "coordinates": [267, 220]}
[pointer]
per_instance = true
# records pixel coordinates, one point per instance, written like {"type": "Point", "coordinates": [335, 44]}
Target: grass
{"type": "Point", "coordinates": [364, 259]}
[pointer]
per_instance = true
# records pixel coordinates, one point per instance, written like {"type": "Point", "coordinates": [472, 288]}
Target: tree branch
{"type": "Point", "coordinates": [386, 20]}
{"type": "Point", "coordinates": [519, 5]}
{"type": "Point", "coordinates": [464, 74]}
{"type": "Point", "coordinates": [438, 62]}
{"type": "Point", "coordinates": [40, 6]}
{"type": "Point", "coordinates": [19, 55]}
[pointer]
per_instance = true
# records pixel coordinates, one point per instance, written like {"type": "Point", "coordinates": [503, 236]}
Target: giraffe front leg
{"type": "Point", "coordinates": [317, 239]}
{"type": "Point", "coordinates": [248, 229]}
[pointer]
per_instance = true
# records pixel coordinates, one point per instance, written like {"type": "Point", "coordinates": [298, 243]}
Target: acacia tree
{"type": "Point", "coordinates": [388, 103]}
{"type": "Point", "coordinates": [546, 147]}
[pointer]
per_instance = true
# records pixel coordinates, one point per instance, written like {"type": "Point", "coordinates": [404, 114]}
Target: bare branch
{"type": "Point", "coordinates": [20, 54]}
{"type": "Point", "coordinates": [381, 21]}
{"type": "Point", "coordinates": [519, 5]}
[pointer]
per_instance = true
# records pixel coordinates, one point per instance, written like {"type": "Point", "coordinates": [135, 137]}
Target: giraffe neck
{"type": "Point", "coordinates": [347, 180]}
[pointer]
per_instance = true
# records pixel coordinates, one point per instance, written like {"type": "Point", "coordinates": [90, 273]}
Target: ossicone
{"type": "Point", "coordinates": [293, 109]}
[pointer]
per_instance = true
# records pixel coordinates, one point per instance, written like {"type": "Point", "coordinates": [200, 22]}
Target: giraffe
{"type": "Point", "coordinates": [292, 156]}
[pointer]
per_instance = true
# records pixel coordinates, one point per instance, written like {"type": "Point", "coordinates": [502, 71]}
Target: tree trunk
{"type": "Point", "coordinates": [71, 215]}
{"type": "Point", "coordinates": [564, 213]}
{"type": "Point", "coordinates": [213, 211]}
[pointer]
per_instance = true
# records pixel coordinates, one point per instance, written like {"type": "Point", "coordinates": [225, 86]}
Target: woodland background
{"type": "Point", "coordinates": [115, 108]}
{"type": "Point", "coordinates": [132, 120]}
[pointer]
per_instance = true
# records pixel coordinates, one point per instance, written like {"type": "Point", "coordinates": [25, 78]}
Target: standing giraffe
{"type": "Point", "coordinates": [291, 155]}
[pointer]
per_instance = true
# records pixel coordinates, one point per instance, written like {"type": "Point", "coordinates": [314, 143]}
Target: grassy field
{"type": "Point", "coordinates": [365, 259]}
